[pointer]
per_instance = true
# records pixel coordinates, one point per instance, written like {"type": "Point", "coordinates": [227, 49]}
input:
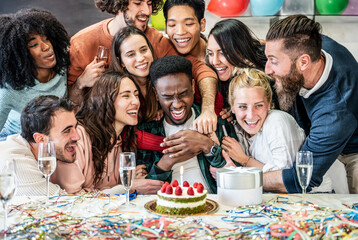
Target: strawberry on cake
{"type": "Point", "coordinates": [176, 200]}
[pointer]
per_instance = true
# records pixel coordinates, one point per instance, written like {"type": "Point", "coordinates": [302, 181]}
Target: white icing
{"type": "Point", "coordinates": [184, 194]}
{"type": "Point", "coordinates": [171, 204]}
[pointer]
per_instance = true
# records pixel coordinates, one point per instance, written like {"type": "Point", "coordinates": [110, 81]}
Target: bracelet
{"type": "Point", "coordinates": [245, 164]}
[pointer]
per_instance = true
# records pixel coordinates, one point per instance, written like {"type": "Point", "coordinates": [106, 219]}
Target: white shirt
{"type": "Point", "coordinates": [327, 69]}
{"type": "Point", "coordinates": [278, 141]}
{"type": "Point", "coordinates": [192, 172]}
{"type": "Point", "coordinates": [30, 181]}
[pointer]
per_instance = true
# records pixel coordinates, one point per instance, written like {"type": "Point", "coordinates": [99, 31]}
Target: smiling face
{"type": "Point", "coordinates": [64, 135]}
{"type": "Point", "coordinates": [126, 105]}
{"type": "Point", "coordinates": [251, 108]}
{"type": "Point", "coordinates": [138, 13]}
{"type": "Point", "coordinates": [175, 94]}
{"type": "Point", "coordinates": [42, 51]}
{"type": "Point", "coordinates": [278, 62]}
{"type": "Point", "coordinates": [183, 28]}
{"type": "Point", "coordinates": [223, 68]}
{"type": "Point", "coordinates": [288, 80]}
{"type": "Point", "coordinates": [136, 56]}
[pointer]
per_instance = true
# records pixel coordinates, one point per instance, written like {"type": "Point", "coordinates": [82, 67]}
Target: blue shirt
{"type": "Point", "coordinates": [13, 101]}
{"type": "Point", "coordinates": [333, 112]}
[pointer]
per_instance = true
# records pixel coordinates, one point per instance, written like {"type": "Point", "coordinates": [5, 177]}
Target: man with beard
{"type": "Point", "coordinates": [172, 79]}
{"type": "Point", "coordinates": [85, 70]}
{"type": "Point", "coordinates": [45, 118]}
{"type": "Point", "coordinates": [324, 76]}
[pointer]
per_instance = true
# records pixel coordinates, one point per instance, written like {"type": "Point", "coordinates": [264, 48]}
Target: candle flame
{"type": "Point", "coordinates": [181, 170]}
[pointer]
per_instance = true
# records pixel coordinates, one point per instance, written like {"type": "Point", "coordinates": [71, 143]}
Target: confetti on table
{"type": "Point", "coordinates": [97, 215]}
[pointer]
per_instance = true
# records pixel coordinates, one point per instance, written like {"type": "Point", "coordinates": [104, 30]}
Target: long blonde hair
{"type": "Point", "coordinates": [250, 78]}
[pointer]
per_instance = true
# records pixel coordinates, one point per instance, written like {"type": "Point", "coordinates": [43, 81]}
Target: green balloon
{"type": "Point", "coordinates": [328, 7]}
{"type": "Point", "coordinates": [158, 20]}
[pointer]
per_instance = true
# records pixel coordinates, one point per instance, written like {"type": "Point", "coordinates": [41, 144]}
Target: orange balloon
{"type": "Point", "coordinates": [228, 8]}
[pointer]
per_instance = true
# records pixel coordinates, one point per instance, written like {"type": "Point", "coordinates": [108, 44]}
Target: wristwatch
{"type": "Point", "coordinates": [213, 150]}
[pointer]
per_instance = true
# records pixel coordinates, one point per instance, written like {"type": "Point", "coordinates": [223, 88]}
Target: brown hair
{"type": "Point", "coordinates": [149, 103]}
{"type": "Point", "coordinates": [300, 35]}
{"type": "Point", "coordinates": [97, 116]}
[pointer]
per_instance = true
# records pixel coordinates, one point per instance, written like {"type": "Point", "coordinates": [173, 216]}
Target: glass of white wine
{"type": "Point", "coordinates": [304, 167]}
{"type": "Point", "coordinates": [7, 185]}
{"type": "Point", "coordinates": [47, 162]}
{"type": "Point", "coordinates": [127, 165]}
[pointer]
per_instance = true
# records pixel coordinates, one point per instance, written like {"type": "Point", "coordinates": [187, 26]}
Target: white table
{"type": "Point", "coordinates": [91, 216]}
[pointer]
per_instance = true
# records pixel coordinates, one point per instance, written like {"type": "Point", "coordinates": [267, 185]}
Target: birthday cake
{"type": "Point", "coordinates": [176, 200]}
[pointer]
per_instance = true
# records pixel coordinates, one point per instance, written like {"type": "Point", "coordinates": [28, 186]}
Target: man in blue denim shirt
{"type": "Point", "coordinates": [325, 76]}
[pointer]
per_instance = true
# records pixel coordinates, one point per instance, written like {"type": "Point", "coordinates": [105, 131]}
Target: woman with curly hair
{"type": "Point", "coordinates": [107, 120]}
{"type": "Point", "coordinates": [34, 59]}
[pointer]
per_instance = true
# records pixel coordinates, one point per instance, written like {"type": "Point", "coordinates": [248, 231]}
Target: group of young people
{"type": "Point", "coordinates": [181, 100]}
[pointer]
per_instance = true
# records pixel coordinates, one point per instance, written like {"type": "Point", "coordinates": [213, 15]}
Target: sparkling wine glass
{"type": "Point", "coordinates": [127, 165]}
{"type": "Point", "coordinates": [7, 185]}
{"type": "Point", "coordinates": [102, 54]}
{"type": "Point", "coordinates": [47, 162]}
{"type": "Point", "coordinates": [304, 167]}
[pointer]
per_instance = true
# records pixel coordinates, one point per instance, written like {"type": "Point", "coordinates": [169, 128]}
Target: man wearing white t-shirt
{"type": "Point", "coordinates": [172, 79]}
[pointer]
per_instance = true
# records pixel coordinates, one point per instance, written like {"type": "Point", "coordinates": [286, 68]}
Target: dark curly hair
{"type": "Point", "coordinates": [18, 69]}
{"type": "Point", "coordinates": [97, 116]}
{"type": "Point", "coordinates": [169, 65]}
{"type": "Point", "coordinates": [113, 6]}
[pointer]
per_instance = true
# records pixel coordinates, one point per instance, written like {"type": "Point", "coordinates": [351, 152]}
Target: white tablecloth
{"type": "Point", "coordinates": [86, 208]}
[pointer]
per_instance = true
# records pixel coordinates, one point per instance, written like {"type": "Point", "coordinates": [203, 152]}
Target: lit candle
{"type": "Point", "coordinates": [181, 175]}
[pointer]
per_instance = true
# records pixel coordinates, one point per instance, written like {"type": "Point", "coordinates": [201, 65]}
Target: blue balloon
{"type": "Point", "coordinates": [265, 7]}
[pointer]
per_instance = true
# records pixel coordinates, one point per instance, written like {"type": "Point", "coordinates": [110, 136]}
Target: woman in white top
{"type": "Point", "coordinates": [269, 138]}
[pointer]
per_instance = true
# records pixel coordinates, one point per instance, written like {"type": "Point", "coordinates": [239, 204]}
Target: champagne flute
{"type": "Point", "coordinates": [7, 186]}
{"type": "Point", "coordinates": [127, 165]}
{"type": "Point", "coordinates": [304, 167]}
{"type": "Point", "coordinates": [102, 54]}
{"type": "Point", "coordinates": [47, 162]}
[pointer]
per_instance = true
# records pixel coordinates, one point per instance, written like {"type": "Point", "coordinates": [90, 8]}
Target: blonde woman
{"type": "Point", "coordinates": [270, 138]}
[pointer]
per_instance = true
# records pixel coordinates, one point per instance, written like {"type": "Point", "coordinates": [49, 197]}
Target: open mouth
{"type": "Point", "coordinates": [133, 113]}
{"type": "Point", "coordinates": [142, 18]}
{"type": "Point", "coordinates": [182, 42]}
{"type": "Point", "coordinates": [142, 66]}
{"type": "Point", "coordinates": [252, 124]}
{"type": "Point", "coordinates": [178, 114]}
{"type": "Point", "coordinates": [50, 56]}
{"type": "Point", "coordinates": [221, 70]}
{"type": "Point", "coordinates": [71, 147]}
{"type": "Point", "coordinates": [277, 81]}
